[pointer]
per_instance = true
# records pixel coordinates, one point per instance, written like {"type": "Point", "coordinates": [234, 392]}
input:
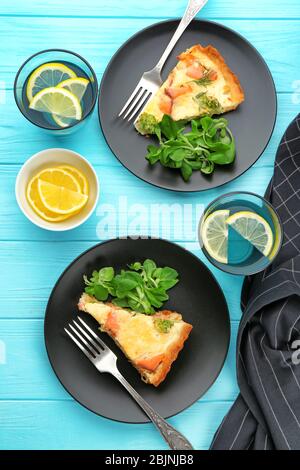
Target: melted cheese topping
{"type": "Point", "coordinates": [137, 334]}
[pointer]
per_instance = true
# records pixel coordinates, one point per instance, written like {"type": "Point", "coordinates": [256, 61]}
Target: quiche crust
{"type": "Point", "coordinates": [151, 352]}
{"type": "Point", "coordinates": [170, 356]}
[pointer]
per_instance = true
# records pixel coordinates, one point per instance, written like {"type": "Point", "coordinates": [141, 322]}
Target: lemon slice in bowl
{"type": "Point", "coordinates": [253, 228]}
{"type": "Point", "coordinates": [59, 199]}
{"type": "Point", "coordinates": [57, 101]}
{"type": "Point", "coordinates": [77, 86]}
{"type": "Point", "coordinates": [214, 235]}
{"type": "Point", "coordinates": [60, 177]}
{"type": "Point", "coordinates": [37, 205]}
{"type": "Point", "coordinates": [78, 175]}
{"type": "Point", "coordinates": [47, 75]}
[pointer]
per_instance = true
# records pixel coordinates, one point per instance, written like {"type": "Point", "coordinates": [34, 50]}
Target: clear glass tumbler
{"type": "Point", "coordinates": [75, 66]}
{"type": "Point", "coordinates": [240, 233]}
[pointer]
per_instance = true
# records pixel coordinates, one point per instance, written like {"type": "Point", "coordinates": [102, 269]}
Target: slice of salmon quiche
{"type": "Point", "coordinates": [200, 84]}
{"type": "Point", "coordinates": [150, 342]}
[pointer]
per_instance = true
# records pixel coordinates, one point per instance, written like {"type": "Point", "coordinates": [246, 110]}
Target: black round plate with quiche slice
{"type": "Point", "coordinates": [252, 123]}
{"type": "Point", "coordinates": [197, 296]}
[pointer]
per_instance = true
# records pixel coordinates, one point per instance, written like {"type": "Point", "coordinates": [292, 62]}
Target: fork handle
{"type": "Point", "coordinates": [174, 439]}
{"type": "Point", "coordinates": [194, 6]}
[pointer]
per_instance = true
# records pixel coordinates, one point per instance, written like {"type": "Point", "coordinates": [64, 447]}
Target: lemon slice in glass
{"type": "Point", "coordinates": [47, 75]}
{"type": "Point", "coordinates": [253, 228]}
{"type": "Point", "coordinates": [214, 235]}
{"type": "Point", "coordinates": [59, 199]}
{"type": "Point", "coordinates": [77, 86]}
{"type": "Point", "coordinates": [57, 101]}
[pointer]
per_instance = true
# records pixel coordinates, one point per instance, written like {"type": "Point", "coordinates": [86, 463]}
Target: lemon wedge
{"type": "Point", "coordinates": [66, 180]}
{"type": "Point", "coordinates": [59, 199]}
{"type": "Point", "coordinates": [60, 177]}
{"type": "Point", "coordinates": [78, 175]}
{"type": "Point", "coordinates": [37, 205]}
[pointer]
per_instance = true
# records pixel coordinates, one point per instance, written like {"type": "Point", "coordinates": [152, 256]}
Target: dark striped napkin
{"type": "Point", "coordinates": [266, 414]}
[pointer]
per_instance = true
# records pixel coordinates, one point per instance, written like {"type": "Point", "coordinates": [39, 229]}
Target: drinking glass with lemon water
{"type": "Point", "coordinates": [240, 233]}
{"type": "Point", "coordinates": [56, 90]}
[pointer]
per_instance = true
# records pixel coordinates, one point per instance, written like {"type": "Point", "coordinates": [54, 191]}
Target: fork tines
{"type": "Point", "coordinates": [135, 102]}
{"type": "Point", "coordinates": [85, 338]}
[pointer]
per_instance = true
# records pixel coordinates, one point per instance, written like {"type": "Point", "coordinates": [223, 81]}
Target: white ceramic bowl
{"type": "Point", "coordinates": [52, 157]}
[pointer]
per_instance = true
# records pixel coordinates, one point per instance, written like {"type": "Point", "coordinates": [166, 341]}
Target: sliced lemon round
{"type": "Point", "coordinates": [47, 75]}
{"type": "Point", "coordinates": [253, 228]}
{"type": "Point", "coordinates": [214, 235]}
{"type": "Point", "coordinates": [37, 205]}
{"type": "Point", "coordinates": [57, 101]}
{"type": "Point", "coordinates": [77, 86]}
{"type": "Point", "coordinates": [62, 121]}
{"type": "Point", "coordinates": [59, 199]}
{"type": "Point", "coordinates": [78, 175]}
{"type": "Point", "coordinates": [59, 177]}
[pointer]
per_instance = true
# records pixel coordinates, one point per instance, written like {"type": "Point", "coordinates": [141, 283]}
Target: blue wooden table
{"type": "Point", "coordinates": [35, 411]}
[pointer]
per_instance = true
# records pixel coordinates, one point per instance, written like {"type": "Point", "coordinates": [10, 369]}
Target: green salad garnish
{"type": "Point", "coordinates": [143, 287]}
{"type": "Point", "coordinates": [209, 142]}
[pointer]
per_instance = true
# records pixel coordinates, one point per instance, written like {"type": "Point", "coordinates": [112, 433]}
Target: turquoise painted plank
{"type": "Point", "coordinates": [118, 214]}
{"type": "Point", "coordinates": [93, 38]}
{"type": "Point", "coordinates": [27, 373]}
{"type": "Point", "coordinates": [66, 425]}
{"type": "Point", "coordinates": [20, 139]}
{"type": "Point", "coordinates": [136, 8]}
{"type": "Point", "coordinates": [121, 203]}
{"type": "Point", "coordinates": [30, 270]}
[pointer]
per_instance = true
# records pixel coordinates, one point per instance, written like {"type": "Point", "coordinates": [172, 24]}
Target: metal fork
{"type": "Point", "coordinates": [151, 80]}
{"type": "Point", "coordinates": [106, 361]}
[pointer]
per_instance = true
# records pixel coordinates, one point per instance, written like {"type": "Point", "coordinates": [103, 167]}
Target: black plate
{"type": "Point", "coordinates": [252, 123]}
{"type": "Point", "coordinates": [197, 296]}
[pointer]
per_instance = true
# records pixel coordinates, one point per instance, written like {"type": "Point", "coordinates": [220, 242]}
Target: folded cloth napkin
{"type": "Point", "coordinates": [266, 414]}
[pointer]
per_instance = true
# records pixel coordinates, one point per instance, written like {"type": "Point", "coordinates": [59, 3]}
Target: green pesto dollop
{"type": "Point", "coordinates": [163, 326]}
{"type": "Point", "coordinates": [210, 104]}
{"type": "Point", "coordinates": [146, 124]}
